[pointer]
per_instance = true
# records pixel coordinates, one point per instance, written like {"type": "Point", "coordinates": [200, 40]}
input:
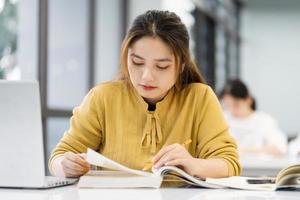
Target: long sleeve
{"type": "Point", "coordinates": [85, 128]}
{"type": "Point", "coordinates": [214, 140]}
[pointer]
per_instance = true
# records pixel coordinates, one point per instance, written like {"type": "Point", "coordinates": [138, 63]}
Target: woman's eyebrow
{"type": "Point", "coordinates": [137, 56]}
{"type": "Point", "coordinates": [158, 60]}
{"type": "Point", "coordinates": [163, 60]}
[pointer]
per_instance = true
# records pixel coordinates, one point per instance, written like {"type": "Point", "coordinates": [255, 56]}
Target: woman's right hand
{"type": "Point", "coordinates": [74, 165]}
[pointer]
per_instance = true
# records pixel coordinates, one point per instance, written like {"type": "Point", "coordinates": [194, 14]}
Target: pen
{"type": "Point", "coordinates": [150, 164]}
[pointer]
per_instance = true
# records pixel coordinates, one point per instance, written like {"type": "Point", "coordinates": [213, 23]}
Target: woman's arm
{"type": "Point", "coordinates": [85, 132]}
{"type": "Point", "coordinates": [214, 142]}
{"type": "Point", "coordinates": [69, 165]}
{"type": "Point", "coordinates": [55, 167]}
{"type": "Point", "coordinates": [177, 155]}
{"type": "Point", "coordinates": [213, 168]}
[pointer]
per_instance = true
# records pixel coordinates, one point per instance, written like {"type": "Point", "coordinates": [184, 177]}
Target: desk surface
{"type": "Point", "coordinates": [265, 165]}
{"type": "Point", "coordinates": [251, 165]}
{"type": "Point", "coordinates": [73, 193]}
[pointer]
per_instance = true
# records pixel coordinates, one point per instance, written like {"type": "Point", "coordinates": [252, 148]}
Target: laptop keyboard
{"type": "Point", "coordinates": [52, 181]}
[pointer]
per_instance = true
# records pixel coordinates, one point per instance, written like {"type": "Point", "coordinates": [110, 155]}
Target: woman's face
{"type": "Point", "coordinates": [236, 107]}
{"type": "Point", "coordinates": [151, 67]}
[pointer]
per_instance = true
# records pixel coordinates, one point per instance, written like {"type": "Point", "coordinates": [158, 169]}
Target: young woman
{"type": "Point", "coordinates": [158, 102]}
{"type": "Point", "coordinates": [256, 132]}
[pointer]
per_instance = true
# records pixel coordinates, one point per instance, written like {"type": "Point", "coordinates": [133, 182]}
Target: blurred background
{"type": "Point", "coordinates": [70, 46]}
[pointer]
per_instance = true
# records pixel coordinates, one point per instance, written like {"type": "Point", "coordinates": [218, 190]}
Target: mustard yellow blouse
{"type": "Point", "coordinates": [114, 120]}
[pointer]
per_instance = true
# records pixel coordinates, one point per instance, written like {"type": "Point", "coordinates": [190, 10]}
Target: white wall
{"type": "Point", "coordinates": [270, 58]}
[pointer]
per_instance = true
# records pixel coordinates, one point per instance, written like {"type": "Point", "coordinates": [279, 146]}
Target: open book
{"type": "Point", "coordinates": [121, 176]}
{"type": "Point", "coordinates": [287, 179]}
{"type": "Point", "coordinates": [124, 177]}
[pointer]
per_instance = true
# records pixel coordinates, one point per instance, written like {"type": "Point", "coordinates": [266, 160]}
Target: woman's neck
{"type": "Point", "coordinates": [155, 100]}
{"type": "Point", "coordinates": [247, 113]}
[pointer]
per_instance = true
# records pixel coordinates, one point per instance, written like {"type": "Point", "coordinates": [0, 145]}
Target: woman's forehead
{"type": "Point", "coordinates": [151, 48]}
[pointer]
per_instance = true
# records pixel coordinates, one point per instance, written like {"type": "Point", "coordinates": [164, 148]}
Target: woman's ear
{"type": "Point", "coordinates": [249, 101]}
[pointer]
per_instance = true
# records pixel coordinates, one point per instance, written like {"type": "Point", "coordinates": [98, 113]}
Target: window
{"type": "Point", "coordinates": [66, 66]}
{"type": "Point", "coordinates": [216, 37]}
{"type": "Point", "coordinates": [8, 39]}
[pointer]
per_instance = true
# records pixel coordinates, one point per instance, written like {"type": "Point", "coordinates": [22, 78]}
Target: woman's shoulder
{"type": "Point", "coordinates": [110, 87]}
{"type": "Point", "coordinates": [110, 90]}
{"type": "Point", "coordinates": [200, 90]}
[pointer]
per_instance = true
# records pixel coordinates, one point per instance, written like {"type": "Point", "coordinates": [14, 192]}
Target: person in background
{"type": "Point", "coordinates": [256, 132]}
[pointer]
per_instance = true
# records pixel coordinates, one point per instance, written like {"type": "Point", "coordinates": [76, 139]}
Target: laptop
{"type": "Point", "coordinates": [21, 138]}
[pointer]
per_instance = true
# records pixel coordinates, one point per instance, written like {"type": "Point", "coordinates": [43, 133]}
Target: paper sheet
{"type": "Point", "coordinates": [97, 159]}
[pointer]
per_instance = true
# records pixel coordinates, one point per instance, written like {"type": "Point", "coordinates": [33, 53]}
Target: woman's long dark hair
{"type": "Point", "coordinates": [238, 90]}
{"type": "Point", "coordinates": [168, 27]}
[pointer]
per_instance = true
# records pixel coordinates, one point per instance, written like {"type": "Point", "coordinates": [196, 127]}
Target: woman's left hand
{"type": "Point", "coordinates": [175, 155]}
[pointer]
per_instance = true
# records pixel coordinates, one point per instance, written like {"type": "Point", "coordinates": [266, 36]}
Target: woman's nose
{"type": "Point", "coordinates": [147, 74]}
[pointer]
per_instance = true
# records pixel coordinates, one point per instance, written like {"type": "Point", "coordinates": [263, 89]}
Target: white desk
{"type": "Point", "coordinates": [73, 193]}
{"type": "Point", "coordinates": [265, 165]}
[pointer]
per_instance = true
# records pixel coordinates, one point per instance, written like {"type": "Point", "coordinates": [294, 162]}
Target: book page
{"type": "Point", "coordinates": [164, 171]}
{"type": "Point", "coordinates": [293, 169]}
{"type": "Point", "coordinates": [240, 182]}
{"type": "Point", "coordinates": [289, 181]}
{"type": "Point", "coordinates": [97, 159]}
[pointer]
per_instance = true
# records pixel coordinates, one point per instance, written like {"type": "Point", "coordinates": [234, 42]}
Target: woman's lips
{"type": "Point", "coordinates": [148, 87]}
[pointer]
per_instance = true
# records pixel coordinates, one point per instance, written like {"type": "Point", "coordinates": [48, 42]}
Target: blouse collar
{"type": "Point", "coordinates": [152, 133]}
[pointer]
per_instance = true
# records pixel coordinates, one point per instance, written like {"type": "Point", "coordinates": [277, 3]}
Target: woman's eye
{"type": "Point", "coordinates": [137, 63]}
{"type": "Point", "coordinates": [162, 67]}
